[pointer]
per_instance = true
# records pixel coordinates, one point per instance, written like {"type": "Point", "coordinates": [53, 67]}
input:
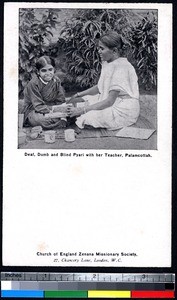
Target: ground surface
{"type": "Point", "coordinates": [112, 143]}
{"type": "Point", "coordinates": [148, 119]}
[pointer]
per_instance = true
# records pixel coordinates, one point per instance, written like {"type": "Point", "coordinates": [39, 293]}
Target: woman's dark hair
{"type": "Point", "coordinates": [43, 61]}
{"type": "Point", "coordinates": [112, 40]}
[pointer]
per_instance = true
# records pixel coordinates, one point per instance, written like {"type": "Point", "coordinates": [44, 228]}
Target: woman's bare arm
{"type": "Point", "coordinates": [91, 91]}
{"type": "Point", "coordinates": [97, 106]}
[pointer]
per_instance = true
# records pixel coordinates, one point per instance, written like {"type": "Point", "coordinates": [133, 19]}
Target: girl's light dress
{"type": "Point", "coordinates": [118, 75]}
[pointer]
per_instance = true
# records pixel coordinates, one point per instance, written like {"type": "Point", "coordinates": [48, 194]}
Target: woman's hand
{"type": "Point", "coordinates": [74, 111]}
{"type": "Point", "coordinates": [75, 100]}
{"type": "Point", "coordinates": [72, 99]}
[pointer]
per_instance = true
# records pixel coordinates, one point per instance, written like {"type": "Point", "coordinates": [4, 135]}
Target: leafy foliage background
{"type": "Point", "coordinates": [74, 44]}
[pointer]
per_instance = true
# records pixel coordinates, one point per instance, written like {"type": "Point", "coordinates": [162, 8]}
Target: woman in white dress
{"type": "Point", "coordinates": [116, 95]}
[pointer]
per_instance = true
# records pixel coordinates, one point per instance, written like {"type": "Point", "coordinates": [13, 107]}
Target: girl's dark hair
{"type": "Point", "coordinates": [112, 40]}
{"type": "Point", "coordinates": [43, 61]}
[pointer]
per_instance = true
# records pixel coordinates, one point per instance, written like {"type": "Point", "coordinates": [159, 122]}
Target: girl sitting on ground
{"type": "Point", "coordinates": [41, 93]}
{"type": "Point", "coordinates": [117, 105]}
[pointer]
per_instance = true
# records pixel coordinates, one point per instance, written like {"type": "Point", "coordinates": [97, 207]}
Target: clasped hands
{"type": "Point", "coordinates": [72, 110]}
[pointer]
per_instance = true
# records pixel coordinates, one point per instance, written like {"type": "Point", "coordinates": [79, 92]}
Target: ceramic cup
{"type": "Point", "coordinates": [49, 136]}
{"type": "Point", "coordinates": [21, 137]}
{"type": "Point", "coordinates": [20, 121]}
{"type": "Point", "coordinates": [69, 135]}
{"type": "Point", "coordinates": [37, 129]}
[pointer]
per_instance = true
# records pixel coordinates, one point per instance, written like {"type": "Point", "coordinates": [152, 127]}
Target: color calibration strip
{"type": "Point", "coordinates": [87, 285]}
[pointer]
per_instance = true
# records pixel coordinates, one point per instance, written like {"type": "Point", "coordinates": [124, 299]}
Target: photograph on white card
{"type": "Point", "coordinates": [74, 200]}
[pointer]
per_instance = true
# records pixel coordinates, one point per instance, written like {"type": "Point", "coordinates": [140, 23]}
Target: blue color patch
{"type": "Point", "coordinates": [21, 294]}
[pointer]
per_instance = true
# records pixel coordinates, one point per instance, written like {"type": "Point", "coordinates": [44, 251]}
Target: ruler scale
{"type": "Point", "coordinates": [87, 285]}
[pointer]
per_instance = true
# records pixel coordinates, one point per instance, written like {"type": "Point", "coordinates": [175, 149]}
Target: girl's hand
{"type": "Point", "coordinates": [74, 111]}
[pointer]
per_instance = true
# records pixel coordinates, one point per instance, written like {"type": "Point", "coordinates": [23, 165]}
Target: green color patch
{"type": "Point", "coordinates": [65, 294]}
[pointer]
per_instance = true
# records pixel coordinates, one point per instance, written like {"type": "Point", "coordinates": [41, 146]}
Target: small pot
{"type": "Point", "coordinates": [21, 137]}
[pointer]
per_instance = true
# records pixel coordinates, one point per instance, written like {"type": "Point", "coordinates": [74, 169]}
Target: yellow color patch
{"type": "Point", "coordinates": [109, 294]}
